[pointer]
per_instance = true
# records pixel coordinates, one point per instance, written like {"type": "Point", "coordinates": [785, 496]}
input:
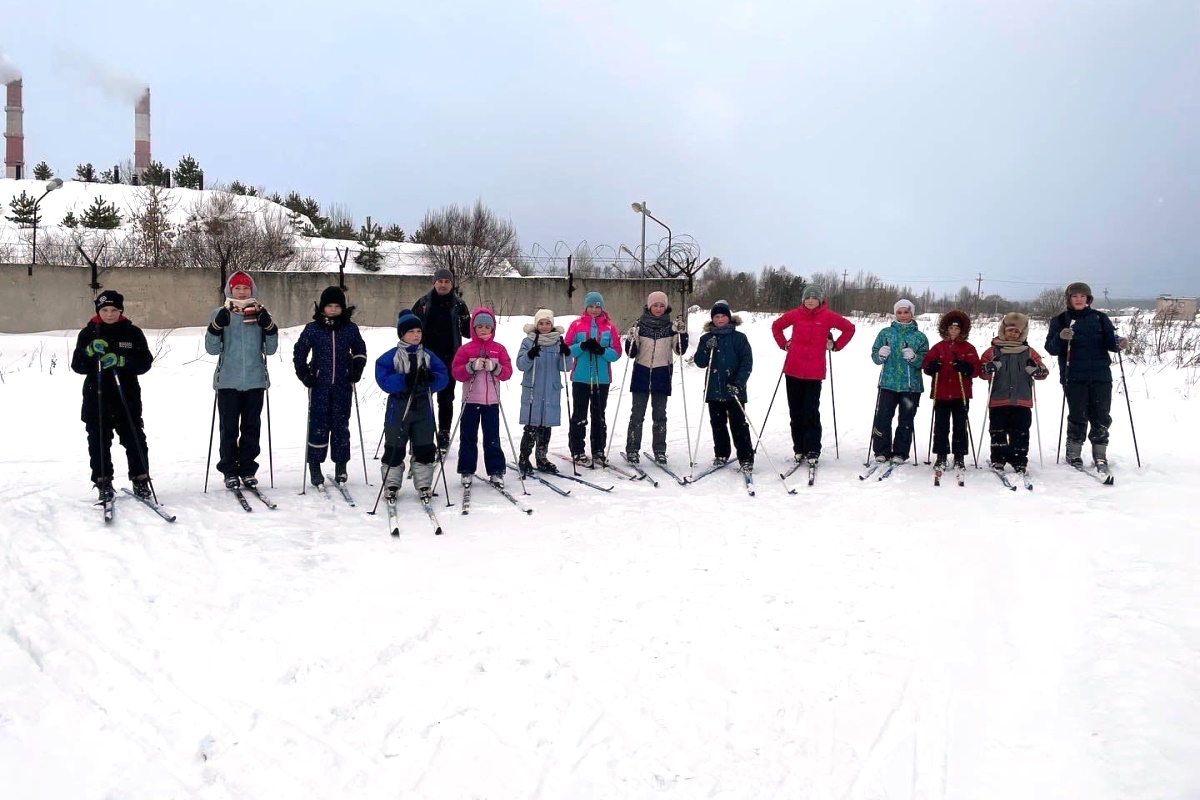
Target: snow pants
{"type": "Point", "coordinates": [241, 423]}
{"type": "Point", "coordinates": [329, 423]}
{"type": "Point", "coordinates": [658, 422]}
{"type": "Point", "coordinates": [804, 408]}
{"type": "Point", "coordinates": [882, 442]}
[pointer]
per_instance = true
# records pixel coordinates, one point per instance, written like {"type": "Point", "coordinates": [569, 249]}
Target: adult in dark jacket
{"type": "Point", "coordinates": [446, 321]}
{"type": "Point", "coordinates": [339, 356]}
{"type": "Point", "coordinates": [725, 353]}
{"type": "Point", "coordinates": [1082, 338]}
{"type": "Point", "coordinates": [241, 333]}
{"type": "Point", "coordinates": [112, 352]}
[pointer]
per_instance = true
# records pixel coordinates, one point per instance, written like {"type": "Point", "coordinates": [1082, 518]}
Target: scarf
{"type": "Point", "coordinates": [1009, 348]}
{"type": "Point", "coordinates": [408, 357]}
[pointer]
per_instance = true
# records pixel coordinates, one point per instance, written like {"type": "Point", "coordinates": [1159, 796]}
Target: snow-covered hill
{"type": "Point", "coordinates": [858, 640]}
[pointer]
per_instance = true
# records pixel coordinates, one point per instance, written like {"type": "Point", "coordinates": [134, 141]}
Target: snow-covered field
{"type": "Point", "coordinates": [857, 640]}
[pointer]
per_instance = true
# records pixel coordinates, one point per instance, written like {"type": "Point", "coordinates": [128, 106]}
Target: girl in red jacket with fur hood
{"type": "Point", "coordinates": [952, 363]}
{"type": "Point", "coordinates": [804, 364]}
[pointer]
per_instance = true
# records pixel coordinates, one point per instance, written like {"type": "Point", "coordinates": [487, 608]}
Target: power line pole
{"type": "Point", "coordinates": [978, 290]}
{"type": "Point", "coordinates": [1106, 296]}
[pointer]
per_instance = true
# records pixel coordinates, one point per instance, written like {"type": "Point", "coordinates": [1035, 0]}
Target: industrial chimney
{"type": "Point", "coordinates": [14, 132]}
{"type": "Point", "coordinates": [141, 133]}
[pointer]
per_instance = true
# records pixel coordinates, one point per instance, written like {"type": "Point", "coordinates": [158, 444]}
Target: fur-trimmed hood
{"type": "Point", "coordinates": [734, 320]}
{"type": "Point", "coordinates": [964, 323]}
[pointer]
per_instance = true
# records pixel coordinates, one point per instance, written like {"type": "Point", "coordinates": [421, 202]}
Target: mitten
{"type": "Point", "coordinates": [1031, 366]}
{"type": "Point", "coordinates": [222, 319]}
{"type": "Point", "coordinates": [679, 326]}
{"type": "Point", "coordinates": [264, 318]}
{"type": "Point", "coordinates": [593, 346]}
{"type": "Point", "coordinates": [356, 369]}
{"type": "Point", "coordinates": [991, 368]}
{"type": "Point", "coordinates": [885, 351]}
{"type": "Point", "coordinates": [422, 376]}
{"type": "Point", "coordinates": [1066, 334]}
{"type": "Point", "coordinates": [712, 343]}
{"type": "Point", "coordinates": [1123, 342]}
{"type": "Point", "coordinates": [110, 360]}
{"type": "Point", "coordinates": [534, 352]}
{"type": "Point", "coordinates": [964, 367]}
{"type": "Point", "coordinates": [306, 376]}
{"type": "Point", "coordinates": [564, 349]}
{"type": "Point", "coordinates": [933, 368]}
{"type": "Point", "coordinates": [830, 344]}
{"type": "Point", "coordinates": [98, 347]}
{"type": "Point", "coordinates": [734, 391]}
{"type": "Point", "coordinates": [909, 354]}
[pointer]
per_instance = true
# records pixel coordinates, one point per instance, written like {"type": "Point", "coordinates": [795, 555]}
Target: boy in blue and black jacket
{"type": "Point", "coordinates": [725, 352]}
{"type": "Point", "coordinates": [339, 357]}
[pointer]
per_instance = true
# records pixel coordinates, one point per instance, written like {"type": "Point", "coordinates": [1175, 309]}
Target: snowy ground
{"type": "Point", "coordinates": [858, 640]}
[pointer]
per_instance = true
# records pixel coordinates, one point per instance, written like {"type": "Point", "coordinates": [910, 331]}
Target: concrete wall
{"type": "Point", "coordinates": [57, 298]}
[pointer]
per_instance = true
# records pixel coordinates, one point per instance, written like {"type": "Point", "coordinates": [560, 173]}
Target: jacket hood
{"type": "Point", "coordinates": [490, 313]}
{"type": "Point", "coordinates": [734, 321]}
{"type": "Point", "coordinates": [964, 323]}
{"type": "Point", "coordinates": [229, 282]}
{"type": "Point", "coordinates": [336, 322]}
{"type": "Point", "coordinates": [531, 328]}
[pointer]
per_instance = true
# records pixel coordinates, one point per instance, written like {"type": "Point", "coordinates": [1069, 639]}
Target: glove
{"type": "Point", "coordinates": [991, 368]}
{"type": "Point", "coordinates": [264, 318]}
{"type": "Point", "coordinates": [712, 343]}
{"type": "Point", "coordinates": [110, 360]}
{"type": "Point", "coordinates": [885, 351]}
{"type": "Point", "coordinates": [679, 326]}
{"type": "Point", "coordinates": [477, 364]}
{"type": "Point", "coordinates": [933, 368]}
{"type": "Point", "coordinates": [1031, 366]}
{"type": "Point", "coordinates": [422, 376]}
{"type": "Point", "coordinates": [734, 391]}
{"type": "Point", "coordinates": [356, 369]}
{"type": "Point", "coordinates": [909, 354]}
{"type": "Point", "coordinates": [1040, 373]}
{"type": "Point", "coordinates": [534, 352]}
{"type": "Point", "coordinates": [1123, 342]}
{"type": "Point", "coordinates": [307, 377]}
{"type": "Point", "coordinates": [1066, 334]}
{"type": "Point", "coordinates": [564, 349]}
{"type": "Point", "coordinates": [963, 367]}
{"type": "Point", "coordinates": [632, 332]}
{"type": "Point", "coordinates": [592, 346]}
{"type": "Point", "coordinates": [98, 347]}
{"type": "Point", "coordinates": [494, 366]}
{"type": "Point", "coordinates": [222, 319]}
{"type": "Point", "coordinates": [829, 345]}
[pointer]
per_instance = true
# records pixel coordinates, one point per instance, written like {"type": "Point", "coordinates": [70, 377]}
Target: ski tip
{"type": "Point", "coordinates": [396, 532]}
{"type": "Point", "coordinates": [792, 491]}
{"type": "Point", "coordinates": [437, 532]}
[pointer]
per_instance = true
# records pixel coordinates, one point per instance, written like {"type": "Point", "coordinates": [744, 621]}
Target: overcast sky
{"type": "Point", "coordinates": [1033, 142]}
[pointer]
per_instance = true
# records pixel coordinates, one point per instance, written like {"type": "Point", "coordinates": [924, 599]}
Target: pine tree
{"type": "Point", "coordinates": [106, 176]}
{"type": "Point", "coordinates": [24, 212]}
{"type": "Point", "coordinates": [275, 198]}
{"type": "Point", "coordinates": [42, 172]}
{"type": "Point", "coordinates": [188, 174]}
{"type": "Point", "coordinates": [236, 187]}
{"type": "Point", "coordinates": [69, 220]}
{"type": "Point", "coordinates": [156, 175]}
{"type": "Point", "coordinates": [85, 172]}
{"type": "Point", "coordinates": [393, 233]}
{"type": "Point", "coordinates": [293, 202]}
{"type": "Point", "coordinates": [153, 230]}
{"type": "Point", "coordinates": [101, 215]}
{"type": "Point", "coordinates": [369, 257]}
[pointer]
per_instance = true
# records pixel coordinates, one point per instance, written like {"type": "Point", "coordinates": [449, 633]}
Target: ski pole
{"type": "Point", "coordinates": [687, 425]}
{"type": "Point", "coordinates": [617, 412]}
{"type": "Point", "coordinates": [987, 409]}
{"type": "Point", "coordinates": [440, 456]}
{"type": "Point", "coordinates": [833, 401]}
{"type": "Point", "coordinates": [1038, 420]}
{"type": "Point", "coordinates": [511, 447]}
{"type": "Point", "coordinates": [454, 430]}
{"type": "Point", "coordinates": [307, 433]}
{"type": "Point", "coordinates": [932, 408]}
{"type": "Point", "coordinates": [378, 445]}
{"type": "Point", "coordinates": [388, 471]}
{"type": "Point", "coordinates": [136, 434]}
{"type": "Point", "coordinates": [967, 415]}
{"type": "Point", "coordinates": [704, 405]}
{"type": "Point", "coordinates": [568, 384]}
{"type": "Point", "coordinates": [212, 427]}
{"type": "Point", "coordinates": [1129, 407]}
{"type": "Point", "coordinates": [270, 447]}
{"type": "Point", "coordinates": [105, 468]}
{"type": "Point", "coordinates": [874, 429]}
{"type": "Point", "coordinates": [1062, 414]}
{"type": "Point", "coordinates": [361, 447]}
{"type": "Point", "coordinates": [758, 434]}
{"type": "Point", "coordinates": [770, 405]}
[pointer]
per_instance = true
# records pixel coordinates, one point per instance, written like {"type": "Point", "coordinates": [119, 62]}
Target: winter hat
{"type": "Point", "coordinates": [483, 317]}
{"type": "Point", "coordinates": [903, 303]}
{"type": "Point", "coordinates": [541, 314]}
{"type": "Point", "coordinates": [332, 296]}
{"type": "Point", "coordinates": [1079, 287]}
{"type": "Point", "coordinates": [720, 307]}
{"type": "Point", "coordinates": [1015, 318]}
{"type": "Point", "coordinates": [240, 278]}
{"type": "Point", "coordinates": [406, 322]}
{"type": "Point", "coordinates": [593, 299]}
{"type": "Point", "coordinates": [656, 297]}
{"type": "Point", "coordinates": [958, 317]}
{"type": "Point", "coordinates": [812, 290]}
{"type": "Point", "coordinates": [443, 274]}
{"type": "Point", "coordinates": [113, 299]}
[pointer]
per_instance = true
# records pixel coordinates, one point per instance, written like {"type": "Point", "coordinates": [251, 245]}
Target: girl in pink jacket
{"type": "Point", "coordinates": [481, 364]}
{"type": "Point", "coordinates": [804, 365]}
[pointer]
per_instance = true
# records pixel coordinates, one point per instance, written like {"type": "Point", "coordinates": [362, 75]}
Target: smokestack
{"type": "Point", "coordinates": [14, 131]}
{"type": "Point", "coordinates": [141, 133]}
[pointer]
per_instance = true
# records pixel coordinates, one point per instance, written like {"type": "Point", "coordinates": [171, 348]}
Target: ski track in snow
{"type": "Point", "coordinates": [858, 640]}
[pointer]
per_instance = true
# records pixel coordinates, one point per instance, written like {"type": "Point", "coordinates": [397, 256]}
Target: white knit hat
{"type": "Point", "coordinates": [541, 314]}
{"type": "Point", "coordinates": [904, 303]}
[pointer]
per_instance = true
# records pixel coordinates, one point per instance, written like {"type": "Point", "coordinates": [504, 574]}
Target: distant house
{"type": "Point", "coordinates": [1168, 308]}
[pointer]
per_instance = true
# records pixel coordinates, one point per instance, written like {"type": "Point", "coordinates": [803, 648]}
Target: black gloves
{"type": "Point", "coordinates": [991, 368]}
{"type": "Point", "coordinates": [221, 320]}
{"type": "Point", "coordinates": [735, 391]}
{"type": "Point", "coordinates": [964, 367]}
{"type": "Point", "coordinates": [306, 376]}
{"type": "Point", "coordinates": [712, 343]}
{"type": "Point", "coordinates": [564, 349]}
{"type": "Point", "coordinates": [422, 376]}
{"type": "Point", "coordinates": [264, 318]}
{"type": "Point", "coordinates": [934, 368]}
{"type": "Point", "coordinates": [356, 369]}
{"type": "Point", "coordinates": [592, 346]}
{"type": "Point", "coordinates": [534, 352]}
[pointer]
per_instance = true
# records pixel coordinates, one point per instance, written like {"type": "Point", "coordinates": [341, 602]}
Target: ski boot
{"type": "Point", "coordinates": [232, 481]}
{"type": "Point", "coordinates": [746, 466]}
{"type": "Point", "coordinates": [720, 461]}
{"type": "Point", "coordinates": [497, 480]}
{"type": "Point", "coordinates": [249, 481]}
{"type": "Point", "coordinates": [1075, 453]}
{"type": "Point", "coordinates": [339, 472]}
{"type": "Point", "coordinates": [599, 460]}
{"type": "Point", "coordinates": [542, 450]}
{"type": "Point", "coordinates": [315, 476]}
{"type": "Point", "coordinates": [105, 489]}
{"type": "Point", "coordinates": [633, 456]}
{"type": "Point", "coordinates": [660, 459]}
{"type": "Point", "coordinates": [141, 487]}
{"type": "Point", "coordinates": [581, 459]}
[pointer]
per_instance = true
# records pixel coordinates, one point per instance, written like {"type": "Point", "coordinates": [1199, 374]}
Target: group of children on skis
{"type": "Point", "coordinates": [329, 357]}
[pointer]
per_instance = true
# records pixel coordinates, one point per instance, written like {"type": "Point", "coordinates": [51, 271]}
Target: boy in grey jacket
{"type": "Point", "coordinates": [242, 334]}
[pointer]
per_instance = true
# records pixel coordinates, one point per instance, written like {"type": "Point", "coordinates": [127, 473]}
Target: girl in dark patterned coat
{"type": "Point", "coordinates": [1011, 366]}
{"type": "Point", "coordinates": [952, 363]}
{"type": "Point", "coordinates": [653, 344]}
{"type": "Point", "coordinates": [339, 357]}
{"type": "Point", "coordinates": [725, 352]}
{"type": "Point", "coordinates": [109, 349]}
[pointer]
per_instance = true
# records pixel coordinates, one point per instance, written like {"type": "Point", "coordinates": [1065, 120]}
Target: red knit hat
{"type": "Point", "coordinates": [240, 279]}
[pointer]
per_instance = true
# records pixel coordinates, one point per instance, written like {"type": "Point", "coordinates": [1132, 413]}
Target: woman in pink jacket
{"type": "Point", "coordinates": [481, 364]}
{"type": "Point", "coordinates": [804, 365]}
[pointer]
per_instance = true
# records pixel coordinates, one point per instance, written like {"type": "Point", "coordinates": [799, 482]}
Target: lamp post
{"type": "Point", "coordinates": [50, 187]}
{"type": "Point", "coordinates": [641, 208]}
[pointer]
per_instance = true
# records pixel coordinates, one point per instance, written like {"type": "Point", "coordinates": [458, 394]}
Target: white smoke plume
{"type": "Point", "coordinates": [79, 66]}
{"type": "Point", "coordinates": [8, 70]}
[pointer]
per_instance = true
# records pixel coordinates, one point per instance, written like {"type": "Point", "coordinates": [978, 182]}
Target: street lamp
{"type": "Point", "coordinates": [50, 187]}
{"type": "Point", "coordinates": [645, 212]}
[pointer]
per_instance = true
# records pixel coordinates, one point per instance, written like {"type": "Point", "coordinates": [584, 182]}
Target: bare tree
{"type": "Point", "coordinates": [222, 232]}
{"type": "Point", "coordinates": [471, 243]}
{"type": "Point", "coordinates": [154, 235]}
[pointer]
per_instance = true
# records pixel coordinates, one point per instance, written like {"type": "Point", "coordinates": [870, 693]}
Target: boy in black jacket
{"type": "Point", "coordinates": [1082, 338]}
{"type": "Point", "coordinates": [112, 352]}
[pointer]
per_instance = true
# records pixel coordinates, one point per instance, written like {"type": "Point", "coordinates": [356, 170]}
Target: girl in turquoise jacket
{"type": "Point", "coordinates": [899, 349]}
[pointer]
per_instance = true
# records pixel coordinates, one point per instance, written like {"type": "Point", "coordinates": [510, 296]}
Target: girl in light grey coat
{"type": "Point", "coordinates": [241, 333]}
{"type": "Point", "coordinates": [542, 358]}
